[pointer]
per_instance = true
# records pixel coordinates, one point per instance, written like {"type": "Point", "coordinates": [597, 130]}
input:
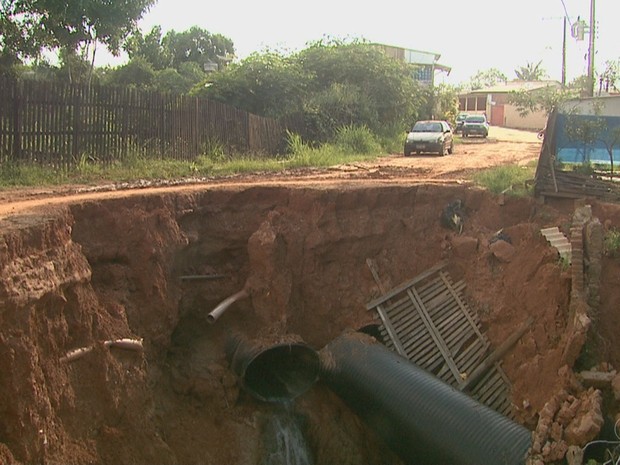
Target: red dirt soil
{"type": "Point", "coordinates": [82, 266]}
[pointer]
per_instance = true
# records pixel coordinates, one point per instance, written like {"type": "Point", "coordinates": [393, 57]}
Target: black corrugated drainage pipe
{"type": "Point", "coordinates": [273, 369]}
{"type": "Point", "coordinates": [424, 420]}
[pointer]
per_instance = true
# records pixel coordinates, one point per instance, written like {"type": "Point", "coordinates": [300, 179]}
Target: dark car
{"type": "Point", "coordinates": [475, 125]}
{"type": "Point", "coordinates": [460, 119]}
{"type": "Point", "coordinates": [433, 136]}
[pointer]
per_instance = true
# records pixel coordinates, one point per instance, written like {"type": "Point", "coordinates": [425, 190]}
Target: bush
{"type": "Point", "coordinates": [357, 139]}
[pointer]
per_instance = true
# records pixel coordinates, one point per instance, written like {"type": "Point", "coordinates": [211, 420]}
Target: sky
{"type": "Point", "coordinates": [470, 35]}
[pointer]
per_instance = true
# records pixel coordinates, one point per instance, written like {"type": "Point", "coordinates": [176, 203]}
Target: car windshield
{"type": "Point", "coordinates": [461, 117]}
{"type": "Point", "coordinates": [475, 119]}
{"type": "Point", "coordinates": [427, 126]}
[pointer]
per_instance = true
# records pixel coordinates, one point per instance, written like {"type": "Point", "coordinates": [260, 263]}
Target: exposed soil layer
{"type": "Point", "coordinates": [104, 269]}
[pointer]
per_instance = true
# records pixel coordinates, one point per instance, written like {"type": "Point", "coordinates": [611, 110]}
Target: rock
{"type": "Point", "coordinates": [588, 422]}
{"type": "Point", "coordinates": [464, 246]}
{"type": "Point", "coordinates": [502, 250]}
{"type": "Point", "coordinates": [555, 451]}
{"type": "Point", "coordinates": [568, 411]}
{"type": "Point", "coordinates": [582, 214]}
{"type": "Point", "coordinates": [597, 379]}
{"type": "Point", "coordinates": [574, 455]}
{"type": "Point", "coordinates": [556, 431]}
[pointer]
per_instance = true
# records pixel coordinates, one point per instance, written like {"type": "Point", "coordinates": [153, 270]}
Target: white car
{"type": "Point", "coordinates": [431, 136]}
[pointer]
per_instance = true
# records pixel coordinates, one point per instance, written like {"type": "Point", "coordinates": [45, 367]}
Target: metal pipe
{"type": "Point", "coordinates": [202, 277]}
{"type": "Point", "coordinates": [422, 419]}
{"type": "Point", "coordinates": [273, 369]}
{"type": "Point", "coordinates": [224, 304]}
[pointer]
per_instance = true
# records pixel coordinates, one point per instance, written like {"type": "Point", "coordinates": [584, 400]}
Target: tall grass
{"type": "Point", "coordinates": [351, 144]}
{"type": "Point", "coordinates": [510, 179]}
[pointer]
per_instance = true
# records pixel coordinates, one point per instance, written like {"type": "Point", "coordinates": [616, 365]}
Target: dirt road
{"type": "Point", "coordinates": [504, 146]}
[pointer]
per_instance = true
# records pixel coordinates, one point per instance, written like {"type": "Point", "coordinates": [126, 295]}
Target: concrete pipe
{"type": "Point", "coordinates": [424, 420]}
{"type": "Point", "coordinates": [274, 369]}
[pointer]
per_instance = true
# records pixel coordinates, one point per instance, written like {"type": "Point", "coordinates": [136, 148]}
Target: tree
{"type": "Point", "coordinates": [137, 73]}
{"type": "Point", "coordinates": [385, 86]}
{"type": "Point", "coordinates": [446, 102]}
{"type": "Point", "coordinates": [592, 129]}
{"type": "Point", "coordinates": [608, 78]}
{"type": "Point", "coordinates": [328, 85]}
{"type": "Point", "coordinates": [544, 99]}
{"type": "Point", "coordinates": [487, 78]}
{"type": "Point", "coordinates": [181, 81]}
{"type": "Point", "coordinates": [267, 84]}
{"type": "Point", "coordinates": [530, 72]}
{"type": "Point", "coordinates": [149, 47]}
{"type": "Point", "coordinates": [197, 45]}
{"type": "Point", "coordinates": [29, 26]}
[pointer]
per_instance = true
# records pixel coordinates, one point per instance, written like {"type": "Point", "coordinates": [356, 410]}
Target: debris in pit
{"type": "Point", "coordinates": [558, 240]}
{"type": "Point", "coordinates": [453, 216]}
{"type": "Point", "coordinates": [125, 343]}
{"type": "Point", "coordinates": [413, 317]}
{"type": "Point", "coordinates": [566, 421]}
{"type": "Point", "coordinates": [500, 236]}
{"type": "Point", "coordinates": [502, 250]}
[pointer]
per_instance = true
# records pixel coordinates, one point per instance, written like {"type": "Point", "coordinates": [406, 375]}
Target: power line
{"type": "Point", "coordinates": [566, 11]}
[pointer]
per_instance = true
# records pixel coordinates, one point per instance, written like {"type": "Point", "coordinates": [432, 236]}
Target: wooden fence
{"type": "Point", "coordinates": [58, 124]}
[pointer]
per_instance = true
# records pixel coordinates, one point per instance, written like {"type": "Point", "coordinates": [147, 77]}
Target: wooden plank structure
{"type": "Point", "coordinates": [428, 321]}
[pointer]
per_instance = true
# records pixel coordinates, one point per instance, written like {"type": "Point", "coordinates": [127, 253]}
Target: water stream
{"type": "Point", "coordinates": [283, 439]}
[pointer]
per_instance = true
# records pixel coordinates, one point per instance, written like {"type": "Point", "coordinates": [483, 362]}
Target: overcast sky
{"type": "Point", "coordinates": [470, 35]}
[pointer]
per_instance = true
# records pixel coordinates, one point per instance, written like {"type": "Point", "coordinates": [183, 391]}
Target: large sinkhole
{"type": "Point", "coordinates": [127, 287]}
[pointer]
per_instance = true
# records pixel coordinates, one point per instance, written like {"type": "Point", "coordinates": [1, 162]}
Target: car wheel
{"type": "Point", "coordinates": [442, 151]}
{"type": "Point", "coordinates": [451, 148]}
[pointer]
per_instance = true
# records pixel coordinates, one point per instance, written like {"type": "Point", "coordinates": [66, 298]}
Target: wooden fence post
{"type": "Point", "coordinates": [77, 122]}
{"type": "Point", "coordinates": [16, 149]}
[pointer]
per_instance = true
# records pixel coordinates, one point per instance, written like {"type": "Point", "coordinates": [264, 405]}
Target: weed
{"type": "Point", "coordinates": [213, 149]}
{"type": "Point", "coordinates": [509, 178]}
{"type": "Point", "coordinates": [564, 262]}
{"type": "Point", "coordinates": [612, 243]}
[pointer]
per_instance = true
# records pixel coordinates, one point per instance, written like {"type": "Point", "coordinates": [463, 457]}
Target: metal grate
{"type": "Point", "coordinates": [428, 321]}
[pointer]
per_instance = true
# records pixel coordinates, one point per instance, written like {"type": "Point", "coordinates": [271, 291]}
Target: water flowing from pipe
{"type": "Point", "coordinates": [283, 439]}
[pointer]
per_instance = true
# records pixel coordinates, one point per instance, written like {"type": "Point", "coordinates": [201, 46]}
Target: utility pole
{"type": "Point", "coordinates": [591, 51]}
{"type": "Point", "coordinates": [564, 53]}
{"type": "Point", "coordinates": [565, 21]}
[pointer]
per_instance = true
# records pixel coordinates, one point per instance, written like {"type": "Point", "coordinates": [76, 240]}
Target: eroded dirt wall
{"type": "Point", "coordinates": [104, 270]}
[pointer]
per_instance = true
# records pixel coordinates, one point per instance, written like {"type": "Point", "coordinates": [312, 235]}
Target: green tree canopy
{"type": "Point", "coordinates": [329, 84]}
{"type": "Point", "coordinates": [195, 45]}
{"type": "Point", "coordinates": [530, 72]}
{"type": "Point", "coordinates": [137, 73]}
{"type": "Point", "coordinates": [487, 78]}
{"type": "Point", "coordinates": [386, 83]}
{"type": "Point", "coordinates": [29, 26]}
{"type": "Point", "coordinates": [267, 84]}
{"type": "Point", "coordinates": [198, 46]}
{"type": "Point", "coordinates": [544, 99]}
{"type": "Point", "coordinates": [149, 47]}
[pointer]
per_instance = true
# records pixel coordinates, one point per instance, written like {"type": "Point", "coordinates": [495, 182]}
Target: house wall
{"type": "Point", "coordinates": [601, 106]}
{"type": "Point", "coordinates": [533, 121]}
